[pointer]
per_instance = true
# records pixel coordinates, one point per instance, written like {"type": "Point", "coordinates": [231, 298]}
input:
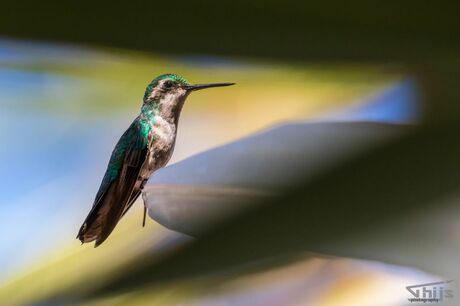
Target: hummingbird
{"type": "Point", "coordinates": [146, 146]}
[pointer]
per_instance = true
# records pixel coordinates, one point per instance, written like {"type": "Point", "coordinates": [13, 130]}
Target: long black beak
{"type": "Point", "coordinates": [204, 86]}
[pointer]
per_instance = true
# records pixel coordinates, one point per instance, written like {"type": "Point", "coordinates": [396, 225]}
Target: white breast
{"type": "Point", "coordinates": [164, 133]}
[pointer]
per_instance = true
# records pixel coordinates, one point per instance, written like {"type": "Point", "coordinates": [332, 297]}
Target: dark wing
{"type": "Point", "coordinates": [120, 186]}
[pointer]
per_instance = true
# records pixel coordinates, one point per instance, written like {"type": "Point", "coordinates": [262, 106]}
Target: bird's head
{"type": "Point", "coordinates": [169, 91]}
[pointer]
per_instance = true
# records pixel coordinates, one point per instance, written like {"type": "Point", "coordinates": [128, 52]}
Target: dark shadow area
{"type": "Point", "coordinates": [294, 30]}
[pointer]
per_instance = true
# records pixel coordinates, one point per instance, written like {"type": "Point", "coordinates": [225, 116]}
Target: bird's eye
{"type": "Point", "coordinates": [168, 84]}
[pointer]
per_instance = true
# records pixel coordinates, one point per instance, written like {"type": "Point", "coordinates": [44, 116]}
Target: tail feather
{"type": "Point", "coordinates": [102, 219]}
{"type": "Point", "coordinates": [109, 209]}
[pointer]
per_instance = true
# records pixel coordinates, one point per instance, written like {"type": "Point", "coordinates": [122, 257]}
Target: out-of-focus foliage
{"type": "Point", "coordinates": [357, 29]}
{"type": "Point", "coordinates": [418, 35]}
{"type": "Point", "coordinates": [408, 175]}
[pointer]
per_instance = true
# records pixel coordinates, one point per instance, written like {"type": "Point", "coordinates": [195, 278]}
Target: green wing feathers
{"type": "Point", "coordinates": [119, 186]}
